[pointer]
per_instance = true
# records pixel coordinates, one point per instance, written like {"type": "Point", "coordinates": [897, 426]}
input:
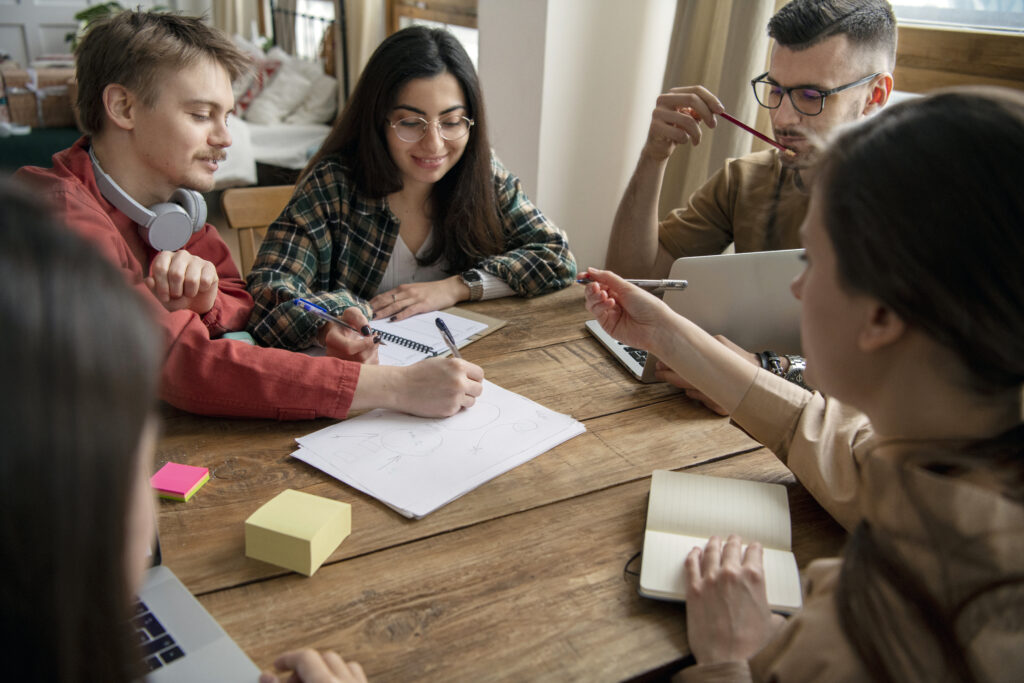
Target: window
{"type": "Point", "coordinates": [984, 15]}
{"type": "Point", "coordinates": [458, 16]}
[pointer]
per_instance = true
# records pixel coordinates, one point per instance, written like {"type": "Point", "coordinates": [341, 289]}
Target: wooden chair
{"type": "Point", "coordinates": [250, 210]}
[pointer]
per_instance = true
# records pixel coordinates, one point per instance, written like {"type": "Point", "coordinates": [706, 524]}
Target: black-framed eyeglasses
{"type": "Point", "coordinates": [808, 101]}
{"type": "Point", "coordinates": [414, 128]}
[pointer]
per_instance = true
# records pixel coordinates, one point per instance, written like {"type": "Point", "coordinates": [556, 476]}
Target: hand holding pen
{"type": "Point", "coordinates": [324, 314]}
{"type": "Point", "coordinates": [446, 334]}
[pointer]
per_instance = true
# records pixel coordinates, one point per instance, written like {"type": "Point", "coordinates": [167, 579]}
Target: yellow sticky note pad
{"type": "Point", "coordinates": [297, 530]}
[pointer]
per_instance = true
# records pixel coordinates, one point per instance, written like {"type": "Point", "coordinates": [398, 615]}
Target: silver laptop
{"type": "Point", "coordinates": [745, 297]}
{"type": "Point", "coordinates": [179, 639]}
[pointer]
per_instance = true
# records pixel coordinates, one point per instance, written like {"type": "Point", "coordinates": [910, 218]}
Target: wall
{"type": "Point", "coordinates": [569, 86]}
{"type": "Point", "coordinates": [30, 29]}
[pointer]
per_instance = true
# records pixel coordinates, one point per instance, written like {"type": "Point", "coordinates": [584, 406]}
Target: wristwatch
{"type": "Point", "coordinates": [772, 362]}
{"type": "Point", "coordinates": [472, 279]}
{"type": "Point", "coordinates": [795, 374]}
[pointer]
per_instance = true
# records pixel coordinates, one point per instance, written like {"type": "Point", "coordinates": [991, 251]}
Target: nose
{"type": "Point", "coordinates": [433, 139]}
{"type": "Point", "coordinates": [220, 136]}
{"type": "Point", "coordinates": [785, 115]}
{"type": "Point", "coordinates": [797, 285]}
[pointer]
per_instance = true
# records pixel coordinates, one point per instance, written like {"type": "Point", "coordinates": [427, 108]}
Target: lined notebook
{"type": "Point", "coordinates": [685, 510]}
{"type": "Point", "coordinates": [417, 337]}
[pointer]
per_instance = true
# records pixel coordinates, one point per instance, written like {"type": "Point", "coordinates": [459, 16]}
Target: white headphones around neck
{"type": "Point", "coordinates": [167, 226]}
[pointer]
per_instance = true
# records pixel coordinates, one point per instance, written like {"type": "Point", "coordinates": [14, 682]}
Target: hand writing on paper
{"type": "Point", "coordinates": [440, 387]}
{"type": "Point", "coordinates": [727, 615]}
{"type": "Point", "coordinates": [346, 344]}
{"type": "Point", "coordinates": [309, 666]}
{"type": "Point", "coordinates": [180, 280]}
{"type": "Point", "coordinates": [419, 297]}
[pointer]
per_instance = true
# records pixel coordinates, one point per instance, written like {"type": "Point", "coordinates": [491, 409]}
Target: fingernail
{"type": "Point", "coordinates": [365, 330]}
{"type": "Point", "coordinates": [393, 318]}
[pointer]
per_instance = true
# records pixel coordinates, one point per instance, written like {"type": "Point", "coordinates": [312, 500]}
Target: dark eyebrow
{"type": "Point", "coordinates": [449, 110]}
{"type": "Point", "coordinates": [804, 86]}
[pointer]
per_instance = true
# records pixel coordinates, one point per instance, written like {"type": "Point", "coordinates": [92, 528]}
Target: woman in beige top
{"type": "Point", "coordinates": [913, 326]}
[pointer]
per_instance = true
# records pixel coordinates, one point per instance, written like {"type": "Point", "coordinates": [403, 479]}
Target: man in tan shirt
{"type": "Point", "coordinates": [831, 63]}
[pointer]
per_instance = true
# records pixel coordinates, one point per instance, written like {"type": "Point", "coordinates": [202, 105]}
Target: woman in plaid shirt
{"type": "Point", "coordinates": [403, 210]}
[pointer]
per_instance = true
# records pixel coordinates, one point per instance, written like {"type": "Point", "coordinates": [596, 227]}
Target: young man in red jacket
{"type": "Point", "coordinates": [154, 95]}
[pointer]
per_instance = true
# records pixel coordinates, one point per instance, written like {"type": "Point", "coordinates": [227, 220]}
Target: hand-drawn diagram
{"type": "Point", "coordinates": [401, 456]}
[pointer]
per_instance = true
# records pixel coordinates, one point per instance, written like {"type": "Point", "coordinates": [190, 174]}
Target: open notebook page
{"type": "Point", "coordinates": [417, 337]}
{"type": "Point", "coordinates": [703, 506]}
{"type": "Point", "coordinates": [662, 574]}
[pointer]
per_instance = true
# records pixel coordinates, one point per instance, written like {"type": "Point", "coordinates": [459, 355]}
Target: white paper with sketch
{"type": "Point", "coordinates": [685, 510]}
{"type": "Point", "coordinates": [416, 465]}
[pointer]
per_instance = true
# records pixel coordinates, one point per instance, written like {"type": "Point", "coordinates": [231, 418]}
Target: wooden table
{"type": "Point", "coordinates": [521, 579]}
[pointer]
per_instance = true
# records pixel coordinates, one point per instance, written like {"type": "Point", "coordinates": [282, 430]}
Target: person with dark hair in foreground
{"type": "Point", "coordinates": [154, 95]}
{"type": "Point", "coordinates": [81, 361]}
{"type": "Point", "coordinates": [404, 209]}
{"type": "Point", "coordinates": [914, 333]}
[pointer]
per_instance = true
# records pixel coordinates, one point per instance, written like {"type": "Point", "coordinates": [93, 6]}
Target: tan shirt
{"type": "Point", "coordinates": [737, 205]}
{"type": "Point", "coordinates": [957, 534]}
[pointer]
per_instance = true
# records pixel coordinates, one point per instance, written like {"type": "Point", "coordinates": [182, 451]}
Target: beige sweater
{"type": "Point", "coordinates": [857, 476]}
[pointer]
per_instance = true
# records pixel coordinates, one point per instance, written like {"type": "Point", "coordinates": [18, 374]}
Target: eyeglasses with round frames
{"type": "Point", "coordinates": [414, 128]}
{"type": "Point", "coordinates": [807, 101]}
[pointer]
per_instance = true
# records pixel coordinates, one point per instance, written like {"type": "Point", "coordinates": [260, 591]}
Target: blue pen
{"type": "Point", "coordinates": [321, 312]}
{"type": "Point", "coordinates": [446, 334]}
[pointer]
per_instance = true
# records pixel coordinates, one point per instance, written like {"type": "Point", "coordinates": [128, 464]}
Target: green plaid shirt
{"type": "Point", "coordinates": [331, 245]}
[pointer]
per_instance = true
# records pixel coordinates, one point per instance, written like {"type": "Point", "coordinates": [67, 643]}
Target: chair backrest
{"type": "Point", "coordinates": [249, 210]}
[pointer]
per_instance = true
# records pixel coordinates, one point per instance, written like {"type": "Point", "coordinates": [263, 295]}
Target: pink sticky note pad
{"type": "Point", "coordinates": [179, 482]}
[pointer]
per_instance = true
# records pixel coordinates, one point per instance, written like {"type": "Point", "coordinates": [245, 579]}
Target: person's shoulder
{"type": "Point", "coordinates": [765, 159]}
{"type": "Point", "coordinates": [333, 168]}
{"type": "Point", "coordinates": [62, 185]}
{"type": "Point", "coordinates": [755, 168]}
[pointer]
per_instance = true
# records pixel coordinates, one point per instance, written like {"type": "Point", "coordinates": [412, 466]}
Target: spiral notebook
{"type": "Point", "coordinates": [417, 337]}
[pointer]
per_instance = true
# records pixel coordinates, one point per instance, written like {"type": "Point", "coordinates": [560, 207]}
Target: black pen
{"type": "Point", "coordinates": [446, 334]}
{"type": "Point", "coordinates": [321, 312]}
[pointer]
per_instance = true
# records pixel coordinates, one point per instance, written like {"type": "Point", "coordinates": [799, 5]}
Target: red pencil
{"type": "Point", "coordinates": [757, 134]}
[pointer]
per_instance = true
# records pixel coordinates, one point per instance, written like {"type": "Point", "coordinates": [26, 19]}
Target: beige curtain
{"type": "Point", "coordinates": [235, 16]}
{"type": "Point", "coordinates": [366, 30]}
{"type": "Point", "coordinates": [720, 44]}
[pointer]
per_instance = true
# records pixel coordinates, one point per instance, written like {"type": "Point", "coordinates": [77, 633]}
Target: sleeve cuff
{"type": "Point", "coordinates": [494, 286]}
{"type": "Point", "coordinates": [771, 409]}
{"type": "Point", "coordinates": [722, 672]}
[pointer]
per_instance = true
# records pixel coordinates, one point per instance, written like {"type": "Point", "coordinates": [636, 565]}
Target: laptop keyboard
{"type": "Point", "coordinates": [158, 647]}
{"type": "Point", "coordinates": [639, 355]}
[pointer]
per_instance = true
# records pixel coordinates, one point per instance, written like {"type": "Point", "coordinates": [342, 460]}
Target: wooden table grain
{"type": "Point", "coordinates": [521, 579]}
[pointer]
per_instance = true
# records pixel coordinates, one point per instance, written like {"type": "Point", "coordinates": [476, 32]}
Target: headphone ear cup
{"type": "Point", "coordinates": [194, 205]}
{"type": "Point", "coordinates": [170, 229]}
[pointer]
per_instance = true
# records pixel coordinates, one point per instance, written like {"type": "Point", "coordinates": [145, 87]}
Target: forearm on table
{"type": "Point", "coordinates": [712, 368]}
{"type": "Point", "coordinates": [633, 243]}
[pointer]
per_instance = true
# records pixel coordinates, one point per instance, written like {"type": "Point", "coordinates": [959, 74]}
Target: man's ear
{"type": "Point", "coordinates": [881, 88]}
{"type": "Point", "coordinates": [120, 104]}
{"type": "Point", "coordinates": [882, 327]}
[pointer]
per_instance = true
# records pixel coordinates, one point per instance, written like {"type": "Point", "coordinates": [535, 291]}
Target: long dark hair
{"type": "Point", "coordinates": [924, 208]}
{"type": "Point", "coordinates": [79, 361]}
{"type": "Point", "coordinates": [464, 203]}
